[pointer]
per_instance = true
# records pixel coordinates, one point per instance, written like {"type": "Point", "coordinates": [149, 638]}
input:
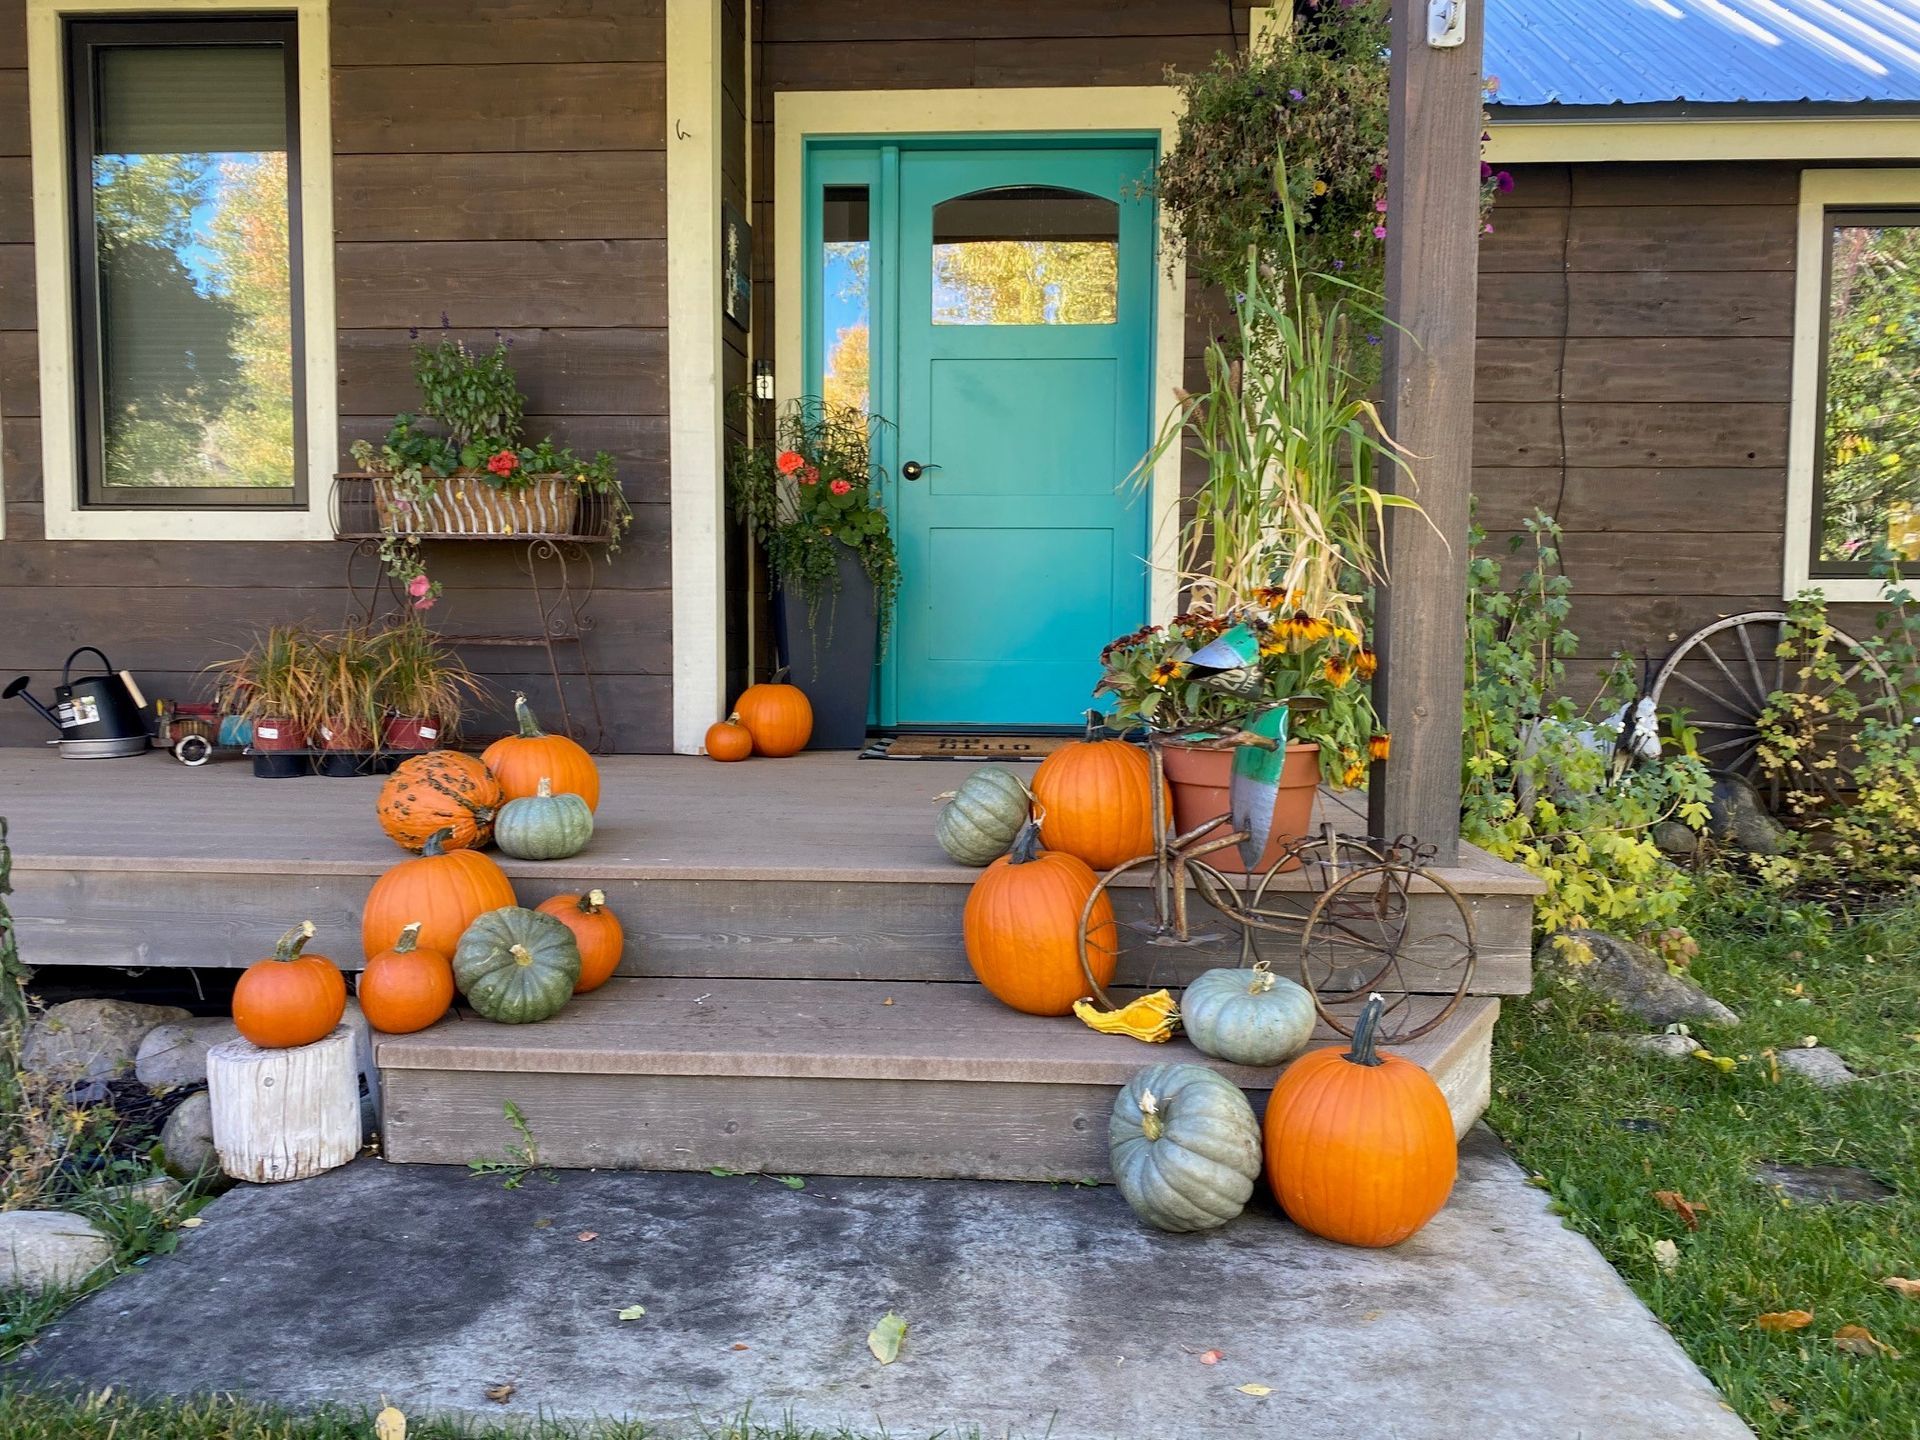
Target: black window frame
{"type": "Point", "coordinates": [1834, 217]}
{"type": "Point", "coordinates": [85, 38]}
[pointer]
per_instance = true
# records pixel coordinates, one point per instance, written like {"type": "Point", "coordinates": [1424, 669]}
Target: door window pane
{"type": "Point", "coordinates": [846, 312]}
{"type": "Point", "coordinates": [1026, 255]}
{"type": "Point", "coordinates": [1870, 434]}
{"type": "Point", "coordinates": [189, 350]}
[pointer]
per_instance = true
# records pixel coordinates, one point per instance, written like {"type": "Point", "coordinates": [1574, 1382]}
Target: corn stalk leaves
{"type": "Point", "coordinates": [885, 1337]}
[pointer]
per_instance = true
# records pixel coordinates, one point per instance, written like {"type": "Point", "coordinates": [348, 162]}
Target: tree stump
{"type": "Point", "coordinates": [284, 1114]}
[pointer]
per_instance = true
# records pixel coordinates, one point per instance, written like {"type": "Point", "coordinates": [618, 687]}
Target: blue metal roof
{"type": "Point", "coordinates": [1644, 52]}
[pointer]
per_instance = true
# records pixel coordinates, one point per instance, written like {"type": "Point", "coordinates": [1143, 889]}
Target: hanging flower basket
{"type": "Point", "coordinates": [468, 505]}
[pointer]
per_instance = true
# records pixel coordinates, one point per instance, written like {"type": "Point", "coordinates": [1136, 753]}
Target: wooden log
{"type": "Point", "coordinates": [285, 1114]}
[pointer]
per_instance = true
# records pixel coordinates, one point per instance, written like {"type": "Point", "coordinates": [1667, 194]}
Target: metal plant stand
{"type": "Point", "coordinates": [1351, 912]}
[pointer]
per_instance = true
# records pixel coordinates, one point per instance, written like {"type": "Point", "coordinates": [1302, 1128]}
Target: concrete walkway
{"type": "Point", "coordinates": [1031, 1310]}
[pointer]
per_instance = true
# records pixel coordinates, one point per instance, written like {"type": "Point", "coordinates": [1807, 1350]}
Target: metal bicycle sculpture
{"type": "Point", "coordinates": [1349, 900]}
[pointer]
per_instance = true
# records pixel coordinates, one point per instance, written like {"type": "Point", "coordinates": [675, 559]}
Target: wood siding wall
{"type": "Point", "coordinates": [500, 163]}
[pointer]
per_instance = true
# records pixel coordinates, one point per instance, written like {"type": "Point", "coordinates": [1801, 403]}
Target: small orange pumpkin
{"type": "Point", "coordinates": [522, 761]}
{"type": "Point", "coordinates": [289, 998]}
{"type": "Point", "coordinates": [445, 890]}
{"type": "Point", "coordinates": [441, 790]}
{"type": "Point", "coordinates": [1095, 799]}
{"type": "Point", "coordinates": [777, 715]}
{"type": "Point", "coordinates": [729, 740]}
{"type": "Point", "coordinates": [406, 988]}
{"type": "Point", "coordinates": [1022, 928]}
{"type": "Point", "coordinates": [1359, 1143]}
{"type": "Point", "coordinates": [597, 931]}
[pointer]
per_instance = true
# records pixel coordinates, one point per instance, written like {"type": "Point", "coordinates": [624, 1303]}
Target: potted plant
{"type": "Point", "coordinates": [463, 467]}
{"type": "Point", "coordinates": [807, 491]}
{"type": "Point", "coordinates": [1280, 536]}
{"type": "Point", "coordinates": [351, 670]}
{"type": "Point", "coordinates": [423, 687]}
{"type": "Point", "coordinates": [273, 686]}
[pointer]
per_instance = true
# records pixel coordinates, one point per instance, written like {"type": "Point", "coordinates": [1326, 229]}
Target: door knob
{"type": "Point", "coordinates": [913, 470]}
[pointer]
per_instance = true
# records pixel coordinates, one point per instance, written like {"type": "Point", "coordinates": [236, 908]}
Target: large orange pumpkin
{"type": "Point", "coordinates": [778, 716]}
{"type": "Point", "coordinates": [406, 988]}
{"type": "Point", "coordinates": [1095, 800]}
{"type": "Point", "coordinates": [729, 740]}
{"type": "Point", "coordinates": [1359, 1143]}
{"type": "Point", "coordinates": [522, 761]}
{"type": "Point", "coordinates": [445, 890]}
{"type": "Point", "coordinates": [289, 998]}
{"type": "Point", "coordinates": [441, 790]}
{"type": "Point", "coordinates": [1022, 928]}
{"type": "Point", "coordinates": [597, 931]}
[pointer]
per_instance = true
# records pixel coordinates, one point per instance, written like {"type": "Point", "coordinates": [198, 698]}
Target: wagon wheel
{"type": "Point", "coordinates": [1744, 667]}
{"type": "Point", "coordinates": [1364, 937]}
{"type": "Point", "coordinates": [1277, 907]}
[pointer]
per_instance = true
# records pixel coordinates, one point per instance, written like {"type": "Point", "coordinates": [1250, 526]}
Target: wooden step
{"type": "Point", "coordinates": [804, 1077]}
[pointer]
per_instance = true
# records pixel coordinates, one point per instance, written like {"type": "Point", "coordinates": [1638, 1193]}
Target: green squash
{"type": "Point", "coordinates": [977, 824]}
{"type": "Point", "coordinates": [516, 965]}
{"type": "Point", "coordinates": [543, 826]}
{"type": "Point", "coordinates": [1185, 1147]}
{"type": "Point", "coordinates": [1251, 1017]}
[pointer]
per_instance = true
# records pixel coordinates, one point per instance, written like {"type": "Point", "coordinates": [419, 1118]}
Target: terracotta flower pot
{"type": "Point", "coordinates": [1201, 781]}
{"type": "Point", "coordinates": [410, 733]}
{"type": "Point", "coordinates": [275, 733]}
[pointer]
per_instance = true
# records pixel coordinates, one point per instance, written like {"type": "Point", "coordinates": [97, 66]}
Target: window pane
{"type": "Point", "coordinates": [194, 356]}
{"type": "Point", "coordinates": [1870, 475]}
{"type": "Point", "coordinates": [846, 314]}
{"type": "Point", "coordinates": [1026, 255]}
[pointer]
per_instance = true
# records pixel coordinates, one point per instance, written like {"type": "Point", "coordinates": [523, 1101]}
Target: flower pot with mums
{"type": "Point", "coordinates": [808, 491]}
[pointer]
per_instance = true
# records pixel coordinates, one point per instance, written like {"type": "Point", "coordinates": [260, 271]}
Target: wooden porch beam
{"type": "Point", "coordinates": [1433, 224]}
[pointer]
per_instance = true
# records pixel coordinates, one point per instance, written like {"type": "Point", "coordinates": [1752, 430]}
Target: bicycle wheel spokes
{"type": "Point", "coordinates": [1422, 965]}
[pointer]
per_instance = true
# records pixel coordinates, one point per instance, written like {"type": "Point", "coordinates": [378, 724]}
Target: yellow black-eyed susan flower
{"type": "Point", "coordinates": [1346, 637]}
{"type": "Point", "coordinates": [1353, 774]}
{"type": "Point", "coordinates": [1166, 672]}
{"type": "Point", "coordinates": [1380, 745]}
{"type": "Point", "coordinates": [1366, 662]}
{"type": "Point", "coordinates": [1303, 628]}
{"type": "Point", "coordinates": [1339, 670]}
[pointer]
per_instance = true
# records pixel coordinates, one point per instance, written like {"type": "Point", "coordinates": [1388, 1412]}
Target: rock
{"type": "Point", "coordinates": [1677, 841]}
{"type": "Point", "coordinates": [1632, 976]}
{"type": "Point", "coordinates": [1666, 1047]}
{"type": "Point", "coordinates": [91, 1039]}
{"type": "Point", "coordinates": [49, 1249]}
{"type": "Point", "coordinates": [1738, 818]}
{"type": "Point", "coordinates": [186, 1141]}
{"type": "Point", "coordinates": [1818, 1066]}
{"type": "Point", "coordinates": [156, 1192]}
{"type": "Point", "coordinates": [176, 1053]}
{"type": "Point", "coordinates": [1821, 1184]}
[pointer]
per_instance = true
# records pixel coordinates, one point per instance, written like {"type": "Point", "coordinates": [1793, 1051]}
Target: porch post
{"type": "Point", "coordinates": [1433, 214]}
{"type": "Point", "coordinates": [695, 401]}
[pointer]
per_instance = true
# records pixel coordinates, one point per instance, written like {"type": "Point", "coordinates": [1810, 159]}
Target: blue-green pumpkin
{"type": "Point", "coordinates": [977, 824]}
{"type": "Point", "coordinates": [1250, 1017]}
{"type": "Point", "coordinates": [516, 965]}
{"type": "Point", "coordinates": [1185, 1147]}
{"type": "Point", "coordinates": [543, 825]}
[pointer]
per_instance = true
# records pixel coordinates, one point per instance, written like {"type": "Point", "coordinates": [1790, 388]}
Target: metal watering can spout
{"type": "Point", "coordinates": [17, 689]}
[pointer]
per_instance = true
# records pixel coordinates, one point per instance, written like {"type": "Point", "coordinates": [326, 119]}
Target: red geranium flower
{"type": "Point", "coordinates": [504, 463]}
{"type": "Point", "coordinates": [840, 487]}
{"type": "Point", "coordinates": [788, 461]}
{"type": "Point", "coordinates": [810, 476]}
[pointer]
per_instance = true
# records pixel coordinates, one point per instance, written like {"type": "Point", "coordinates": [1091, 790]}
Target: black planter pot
{"type": "Point", "coordinates": [832, 659]}
{"type": "Point", "coordinates": [282, 764]}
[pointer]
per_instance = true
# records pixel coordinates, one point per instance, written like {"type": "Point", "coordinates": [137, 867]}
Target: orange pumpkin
{"type": "Point", "coordinates": [1095, 800]}
{"type": "Point", "coordinates": [522, 761]}
{"type": "Point", "coordinates": [1359, 1143]}
{"type": "Point", "coordinates": [289, 998]}
{"type": "Point", "coordinates": [597, 931]}
{"type": "Point", "coordinates": [778, 716]}
{"type": "Point", "coordinates": [729, 739]}
{"type": "Point", "coordinates": [1022, 928]}
{"type": "Point", "coordinates": [406, 988]}
{"type": "Point", "coordinates": [441, 790]}
{"type": "Point", "coordinates": [445, 890]}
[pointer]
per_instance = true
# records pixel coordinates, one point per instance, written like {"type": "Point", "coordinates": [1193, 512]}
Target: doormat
{"type": "Point", "coordinates": [965, 747]}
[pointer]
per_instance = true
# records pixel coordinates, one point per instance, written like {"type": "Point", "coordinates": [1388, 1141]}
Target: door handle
{"type": "Point", "coordinates": [913, 470]}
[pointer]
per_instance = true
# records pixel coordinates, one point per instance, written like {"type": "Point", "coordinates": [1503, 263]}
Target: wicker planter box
{"type": "Point", "coordinates": [467, 505]}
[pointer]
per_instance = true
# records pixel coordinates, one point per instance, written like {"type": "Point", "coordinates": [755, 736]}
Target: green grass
{"type": "Point", "coordinates": [26, 1415]}
{"type": "Point", "coordinates": [1561, 1089]}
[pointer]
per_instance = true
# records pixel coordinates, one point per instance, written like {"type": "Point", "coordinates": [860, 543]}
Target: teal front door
{"type": "Point", "coordinates": [1023, 329]}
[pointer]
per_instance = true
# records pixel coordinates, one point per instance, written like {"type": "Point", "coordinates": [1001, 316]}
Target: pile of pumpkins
{"type": "Point", "coordinates": [448, 919]}
{"type": "Point", "coordinates": [1357, 1145]}
{"type": "Point", "coordinates": [773, 719]}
